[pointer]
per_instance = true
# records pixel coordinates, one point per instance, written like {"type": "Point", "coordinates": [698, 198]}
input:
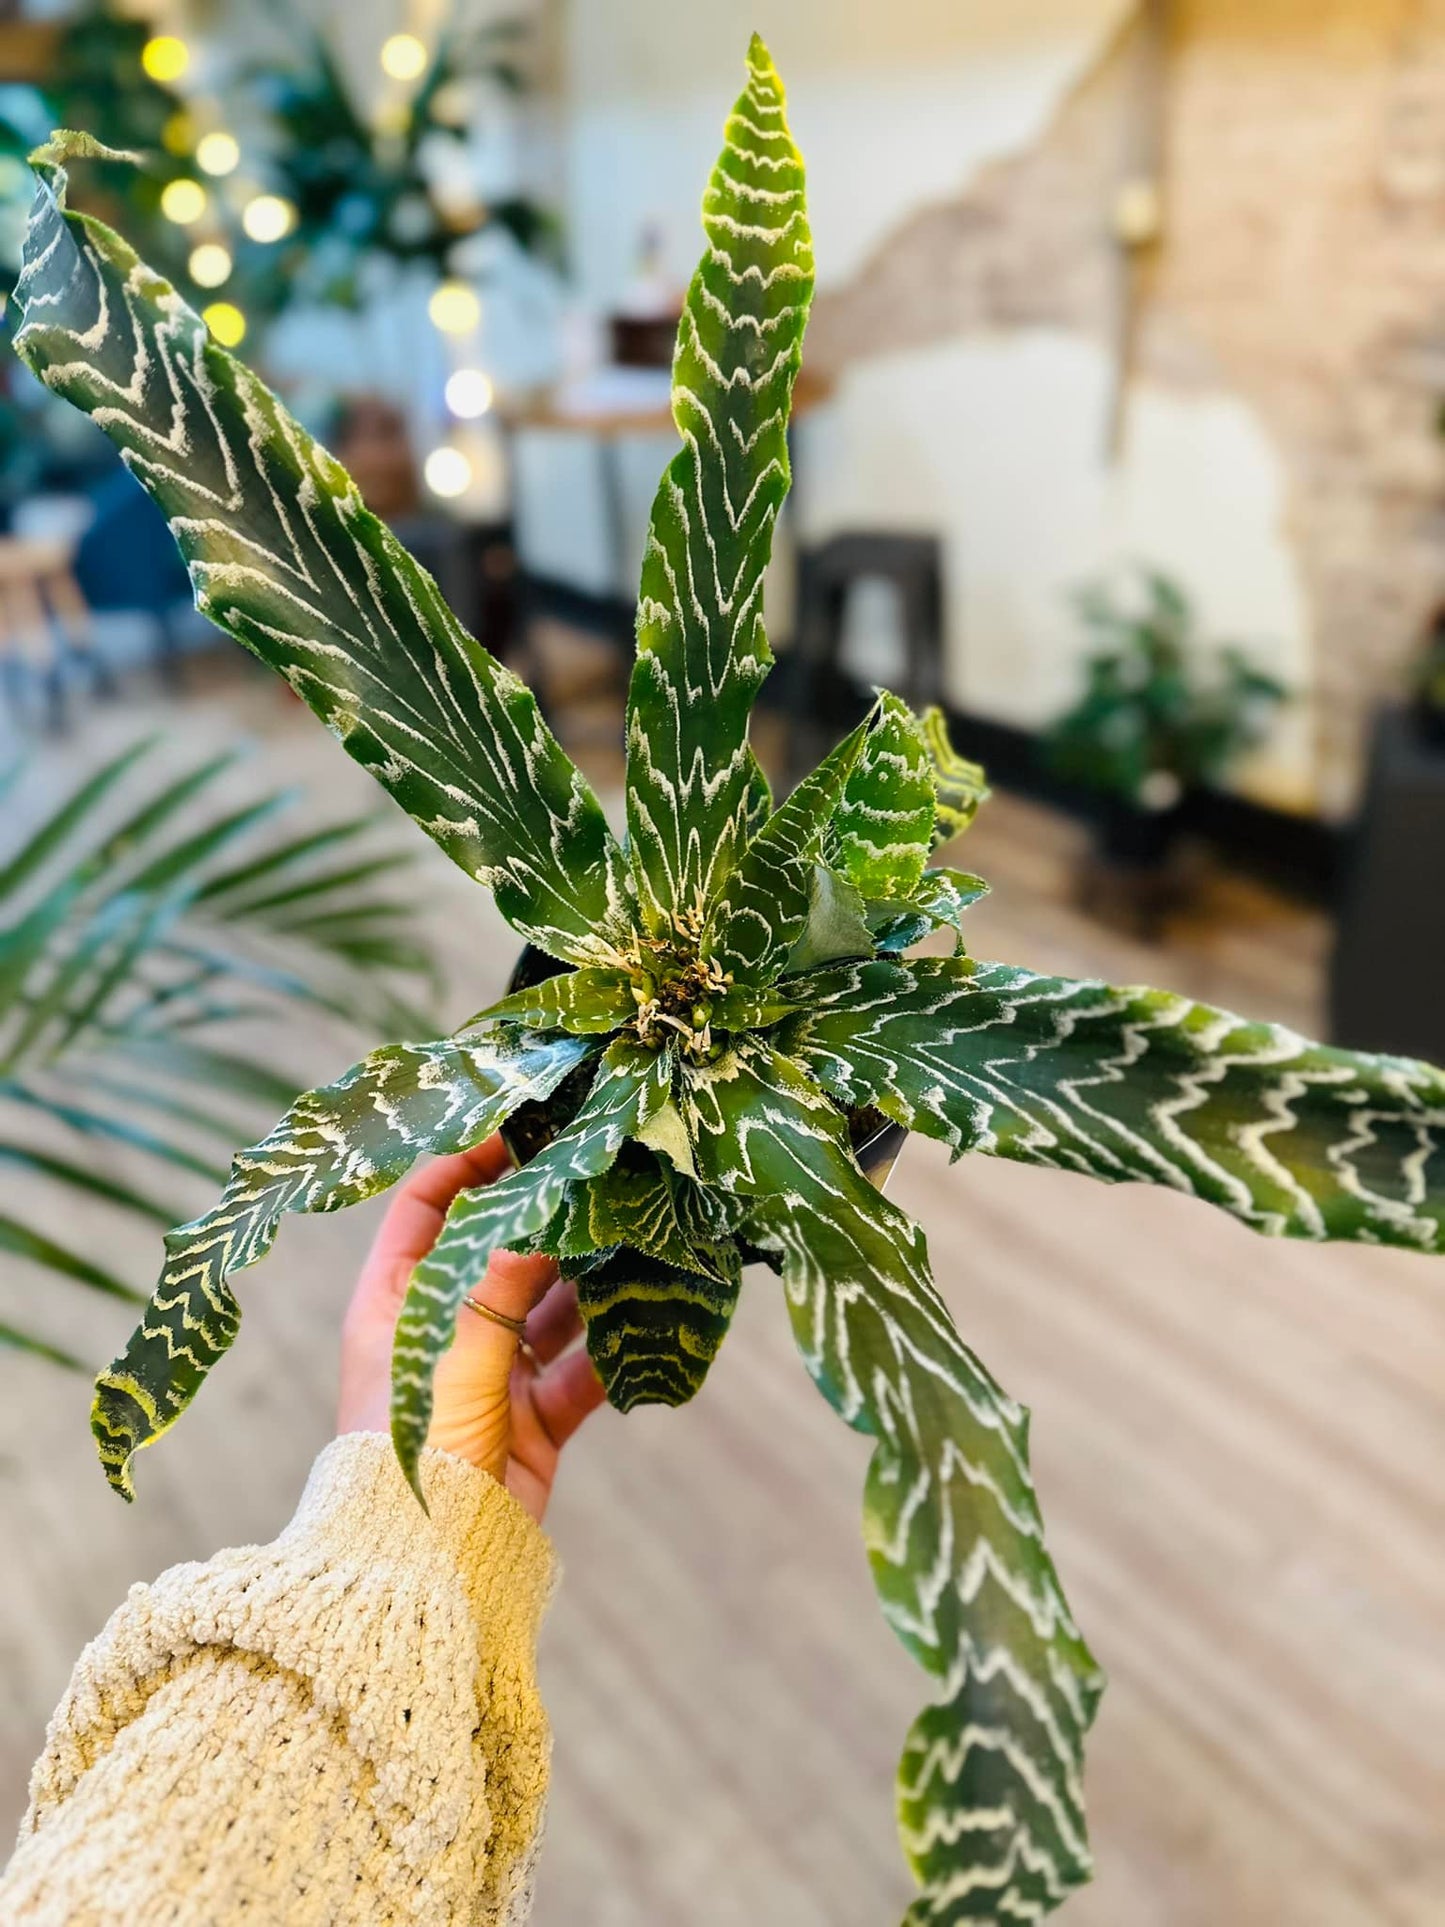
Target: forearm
{"type": "Point", "coordinates": [343, 1725]}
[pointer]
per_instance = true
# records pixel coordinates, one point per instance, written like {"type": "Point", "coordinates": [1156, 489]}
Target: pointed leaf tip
{"type": "Point", "coordinates": [74, 144]}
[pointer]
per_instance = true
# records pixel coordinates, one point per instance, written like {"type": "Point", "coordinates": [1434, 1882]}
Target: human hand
{"type": "Point", "coordinates": [507, 1408]}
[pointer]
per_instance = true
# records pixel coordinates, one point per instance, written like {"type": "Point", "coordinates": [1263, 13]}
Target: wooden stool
{"type": "Point", "coordinates": [44, 617]}
{"type": "Point", "coordinates": [827, 572]}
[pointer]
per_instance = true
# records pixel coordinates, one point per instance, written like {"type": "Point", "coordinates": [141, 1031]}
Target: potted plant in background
{"type": "Point", "coordinates": [735, 1007]}
{"type": "Point", "coordinates": [1159, 716]}
{"type": "Point", "coordinates": [1429, 683]}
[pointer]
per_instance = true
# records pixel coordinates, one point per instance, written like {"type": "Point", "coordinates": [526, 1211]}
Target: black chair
{"type": "Point", "coordinates": [827, 573]}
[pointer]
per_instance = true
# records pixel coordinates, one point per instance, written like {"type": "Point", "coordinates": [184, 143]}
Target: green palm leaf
{"type": "Point", "coordinates": [284, 557]}
{"type": "Point", "coordinates": [990, 1785]}
{"type": "Point", "coordinates": [105, 1021]}
{"type": "Point", "coordinates": [1295, 1139]}
{"type": "Point", "coordinates": [334, 1147]}
{"type": "Point", "coordinates": [701, 649]}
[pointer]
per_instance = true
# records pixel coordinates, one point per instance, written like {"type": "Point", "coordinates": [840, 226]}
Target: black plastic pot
{"type": "Point", "coordinates": [1430, 724]}
{"type": "Point", "coordinates": [1135, 839]}
{"type": "Point", "coordinates": [876, 1140]}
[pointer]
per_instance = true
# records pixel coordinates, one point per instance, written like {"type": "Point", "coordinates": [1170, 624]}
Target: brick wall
{"type": "Point", "coordinates": [1302, 269]}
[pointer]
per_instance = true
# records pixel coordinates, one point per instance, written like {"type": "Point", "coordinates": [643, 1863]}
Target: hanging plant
{"type": "Point", "coordinates": [734, 998]}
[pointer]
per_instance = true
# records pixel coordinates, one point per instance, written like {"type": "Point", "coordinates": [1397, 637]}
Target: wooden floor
{"type": "Point", "coordinates": [1239, 1447]}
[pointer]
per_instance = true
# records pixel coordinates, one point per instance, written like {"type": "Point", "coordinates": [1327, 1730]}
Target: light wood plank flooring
{"type": "Point", "coordinates": [1238, 1444]}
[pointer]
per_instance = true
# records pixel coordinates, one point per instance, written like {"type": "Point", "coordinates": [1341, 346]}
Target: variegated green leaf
{"type": "Point", "coordinates": [659, 1277]}
{"type": "Point", "coordinates": [653, 1329]}
{"type": "Point", "coordinates": [335, 1146]}
{"type": "Point", "coordinates": [837, 924]}
{"type": "Point", "coordinates": [990, 1784]}
{"type": "Point", "coordinates": [939, 902]}
{"type": "Point", "coordinates": [284, 557]}
{"type": "Point", "coordinates": [631, 1085]}
{"type": "Point", "coordinates": [586, 1002]}
{"type": "Point", "coordinates": [702, 651]}
{"type": "Point", "coordinates": [1296, 1139]}
{"type": "Point", "coordinates": [883, 830]}
{"type": "Point", "coordinates": [960, 786]}
{"type": "Point", "coordinates": [762, 907]}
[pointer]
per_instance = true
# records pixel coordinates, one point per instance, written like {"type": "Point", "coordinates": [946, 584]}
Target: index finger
{"type": "Point", "coordinates": [417, 1212]}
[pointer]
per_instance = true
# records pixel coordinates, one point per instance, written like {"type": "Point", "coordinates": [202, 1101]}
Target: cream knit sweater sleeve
{"type": "Point", "coordinates": [340, 1727]}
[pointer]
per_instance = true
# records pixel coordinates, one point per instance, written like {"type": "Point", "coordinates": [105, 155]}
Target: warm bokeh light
{"type": "Point", "coordinates": [179, 133]}
{"type": "Point", "coordinates": [447, 471]}
{"type": "Point", "coordinates": [218, 153]}
{"type": "Point", "coordinates": [454, 308]}
{"type": "Point", "coordinates": [226, 323]}
{"type": "Point", "coordinates": [469, 393]}
{"type": "Point", "coordinates": [268, 217]}
{"type": "Point", "coordinates": [403, 57]}
{"type": "Point", "coordinates": [183, 202]}
{"type": "Point", "coordinates": [165, 58]}
{"type": "Point", "coordinates": [209, 265]}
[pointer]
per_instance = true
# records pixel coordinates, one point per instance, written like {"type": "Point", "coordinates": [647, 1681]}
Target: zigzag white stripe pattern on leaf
{"type": "Point", "coordinates": [284, 556]}
{"type": "Point", "coordinates": [1295, 1139]}
{"type": "Point", "coordinates": [335, 1146]}
{"type": "Point", "coordinates": [990, 1785]}
{"type": "Point", "coordinates": [702, 651]}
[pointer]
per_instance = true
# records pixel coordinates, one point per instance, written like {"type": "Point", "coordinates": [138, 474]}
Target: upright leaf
{"type": "Point", "coordinates": [763, 903]}
{"type": "Point", "coordinates": [334, 1147]}
{"type": "Point", "coordinates": [1296, 1139]}
{"type": "Point", "coordinates": [702, 651]}
{"type": "Point", "coordinates": [284, 557]}
{"type": "Point", "coordinates": [960, 786]}
{"type": "Point", "coordinates": [883, 831]}
{"type": "Point", "coordinates": [990, 1784]}
{"type": "Point", "coordinates": [631, 1085]}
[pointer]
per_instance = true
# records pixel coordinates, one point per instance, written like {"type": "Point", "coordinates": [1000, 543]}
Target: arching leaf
{"type": "Point", "coordinates": [631, 1084]}
{"type": "Point", "coordinates": [284, 556]}
{"type": "Point", "coordinates": [335, 1146]}
{"type": "Point", "coordinates": [1296, 1139]}
{"type": "Point", "coordinates": [990, 1784]}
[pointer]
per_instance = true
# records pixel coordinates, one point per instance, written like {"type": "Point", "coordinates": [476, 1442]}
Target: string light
{"type": "Point", "coordinates": [165, 58]}
{"type": "Point", "coordinates": [447, 471]}
{"type": "Point", "coordinates": [179, 133]}
{"type": "Point", "coordinates": [218, 153]}
{"type": "Point", "coordinates": [403, 57]}
{"type": "Point", "coordinates": [226, 323]}
{"type": "Point", "coordinates": [469, 393]}
{"type": "Point", "coordinates": [183, 201]}
{"type": "Point", "coordinates": [209, 265]}
{"type": "Point", "coordinates": [268, 217]}
{"type": "Point", "coordinates": [454, 308]}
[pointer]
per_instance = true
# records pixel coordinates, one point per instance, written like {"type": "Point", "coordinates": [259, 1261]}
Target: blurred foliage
{"type": "Point", "coordinates": [1160, 713]}
{"type": "Point", "coordinates": [144, 923]}
{"type": "Point", "coordinates": [97, 82]}
{"type": "Point", "coordinates": [377, 189]}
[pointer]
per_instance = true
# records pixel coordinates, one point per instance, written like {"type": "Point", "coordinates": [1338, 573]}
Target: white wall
{"type": "Point", "coordinates": [997, 443]}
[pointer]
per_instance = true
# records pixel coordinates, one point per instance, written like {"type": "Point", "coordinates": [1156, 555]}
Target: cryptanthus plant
{"type": "Point", "coordinates": [733, 1006]}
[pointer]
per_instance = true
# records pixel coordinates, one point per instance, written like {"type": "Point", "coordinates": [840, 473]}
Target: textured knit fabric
{"type": "Point", "coordinates": [341, 1727]}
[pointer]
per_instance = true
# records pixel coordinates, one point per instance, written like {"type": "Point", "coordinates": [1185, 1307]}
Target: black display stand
{"type": "Point", "coordinates": [1387, 985]}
